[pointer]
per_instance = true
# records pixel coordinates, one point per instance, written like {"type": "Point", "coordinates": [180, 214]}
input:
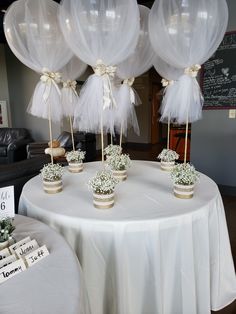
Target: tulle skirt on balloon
{"type": "Point", "coordinates": [46, 102]}
{"type": "Point", "coordinates": [91, 113]}
{"type": "Point", "coordinates": [69, 101]}
{"type": "Point", "coordinates": [125, 115]}
{"type": "Point", "coordinates": [182, 101]}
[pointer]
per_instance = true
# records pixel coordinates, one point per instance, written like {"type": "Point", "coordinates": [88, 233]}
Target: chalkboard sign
{"type": "Point", "coordinates": [218, 77]}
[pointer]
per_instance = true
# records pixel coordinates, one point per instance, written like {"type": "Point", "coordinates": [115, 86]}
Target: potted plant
{"type": "Point", "coordinates": [103, 186]}
{"type": "Point", "coordinates": [52, 178]}
{"type": "Point", "coordinates": [168, 158]}
{"type": "Point", "coordinates": [184, 177]}
{"type": "Point", "coordinates": [111, 150]}
{"type": "Point", "coordinates": [119, 165]}
{"type": "Point", "coordinates": [6, 229]}
{"type": "Point", "coordinates": [75, 160]}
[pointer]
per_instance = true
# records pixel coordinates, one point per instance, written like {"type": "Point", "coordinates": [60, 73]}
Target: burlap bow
{"type": "Point", "coordinates": [106, 72]}
{"type": "Point", "coordinates": [49, 79]}
{"type": "Point", "coordinates": [193, 70]}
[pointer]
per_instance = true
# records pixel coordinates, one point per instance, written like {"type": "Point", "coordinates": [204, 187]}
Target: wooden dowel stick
{"type": "Point", "coordinates": [168, 134]}
{"type": "Point", "coordinates": [186, 142]}
{"type": "Point", "coordinates": [121, 135]}
{"type": "Point", "coordinates": [50, 131]}
{"type": "Point", "coordinates": [72, 134]}
{"type": "Point", "coordinates": [102, 141]}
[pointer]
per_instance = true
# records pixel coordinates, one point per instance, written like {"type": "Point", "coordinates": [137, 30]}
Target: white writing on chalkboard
{"type": "Point", "coordinates": [219, 76]}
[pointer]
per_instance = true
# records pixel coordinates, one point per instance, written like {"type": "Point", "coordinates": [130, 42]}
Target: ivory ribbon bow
{"type": "Point", "coordinates": [71, 85]}
{"type": "Point", "coordinates": [130, 82]}
{"type": "Point", "coordinates": [49, 79]}
{"type": "Point", "coordinates": [106, 72]}
{"type": "Point", "coordinates": [193, 70]}
{"type": "Point", "coordinates": [166, 82]}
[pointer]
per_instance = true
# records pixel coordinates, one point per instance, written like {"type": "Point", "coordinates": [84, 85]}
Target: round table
{"type": "Point", "coordinates": [151, 253]}
{"type": "Point", "coordinates": [53, 285]}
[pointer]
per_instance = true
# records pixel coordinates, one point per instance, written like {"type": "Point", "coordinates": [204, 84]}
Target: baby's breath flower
{"type": "Point", "coordinates": [77, 155]}
{"type": "Point", "coordinates": [112, 150]}
{"type": "Point", "coordinates": [52, 172]}
{"type": "Point", "coordinates": [168, 155]}
{"type": "Point", "coordinates": [184, 174]}
{"type": "Point", "coordinates": [6, 229]}
{"type": "Point", "coordinates": [103, 183]}
{"type": "Point", "coordinates": [119, 162]}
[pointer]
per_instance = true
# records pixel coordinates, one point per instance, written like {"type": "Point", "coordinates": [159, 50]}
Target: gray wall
{"type": "Point", "coordinates": [21, 82]}
{"type": "Point", "coordinates": [213, 146]}
{"type": "Point", "coordinates": [4, 93]}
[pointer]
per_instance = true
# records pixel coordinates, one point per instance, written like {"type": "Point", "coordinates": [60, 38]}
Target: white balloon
{"type": "Point", "coordinates": [165, 70]}
{"type": "Point", "coordinates": [33, 34]}
{"type": "Point", "coordinates": [139, 62]}
{"type": "Point", "coordinates": [100, 29]}
{"type": "Point", "coordinates": [185, 33]}
{"type": "Point", "coordinates": [100, 33]}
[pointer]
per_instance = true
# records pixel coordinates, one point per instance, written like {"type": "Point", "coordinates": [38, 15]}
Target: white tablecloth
{"type": "Point", "coordinates": [150, 254]}
{"type": "Point", "coordinates": [52, 286]}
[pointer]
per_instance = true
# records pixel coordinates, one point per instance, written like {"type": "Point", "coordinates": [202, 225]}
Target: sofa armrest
{"type": "Point", "coordinates": [18, 143]}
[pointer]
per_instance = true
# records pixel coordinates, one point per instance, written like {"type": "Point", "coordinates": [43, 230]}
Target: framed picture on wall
{"type": "Point", "coordinates": [4, 122]}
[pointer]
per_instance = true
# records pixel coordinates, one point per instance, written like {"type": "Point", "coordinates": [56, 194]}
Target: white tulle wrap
{"type": "Point", "coordinates": [69, 96]}
{"type": "Point", "coordinates": [33, 34]}
{"type": "Point", "coordinates": [104, 37]}
{"type": "Point", "coordinates": [125, 115]}
{"type": "Point", "coordinates": [136, 64]}
{"type": "Point", "coordinates": [100, 116]}
{"type": "Point", "coordinates": [169, 75]}
{"type": "Point", "coordinates": [185, 34]}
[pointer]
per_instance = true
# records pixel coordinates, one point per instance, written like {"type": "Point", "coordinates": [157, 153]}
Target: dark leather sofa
{"type": "Point", "coordinates": [13, 143]}
{"type": "Point", "coordinates": [83, 141]}
{"type": "Point", "coordinates": [18, 173]}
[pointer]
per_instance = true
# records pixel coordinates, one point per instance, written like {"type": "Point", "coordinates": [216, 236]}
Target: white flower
{"type": "Point", "coordinates": [112, 150]}
{"type": "Point", "coordinates": [119, 162]}
{"type": "Point", "coordinates": [103, 183]}
{"type": "Point", "coordinates": [168, 155]}
{"type": "Point", "coordinates": [77, 155]}
{"type": "Point", "coordinates": [184, 174]}
{"type": "Point", "coordinates": [52, 172]}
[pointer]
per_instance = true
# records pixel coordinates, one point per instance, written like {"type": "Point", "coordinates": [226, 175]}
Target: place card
{"type": "Point", "coordinates": [18, 244]}
{"type": "Point", "coordinates": [4, 253]}
{"type": "Point", "coordinates": [26, 248]}
{"type": "Point", "coordinates": [8, 260]}
{"type": "Point", "coordinates": [36, 256]}
{"type": "Point", "coordinates": [7, 202]}
{"type": "Point", "coordinates": [11, 270]}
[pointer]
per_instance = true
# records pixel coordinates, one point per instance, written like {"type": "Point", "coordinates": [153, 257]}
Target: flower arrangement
{"type": "Point", "coordinates": [168, 155]}
{"type": "Point", "coordinates": [111, 150]}
{"type": "Point", "coordinates": [103, 183]}
{"type": "Point", "coordinates": [6, 229]}
{"type": "Point", "coordinates": [75, 156]}
{"type": "Point", "coordinates": [184, 174]}
{"type": "Point", "coordinates": [119, 162]}
{"type": "Point", "coordinates": [52, 172]}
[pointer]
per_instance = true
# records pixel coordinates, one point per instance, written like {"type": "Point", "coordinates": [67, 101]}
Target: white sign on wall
{"type": "Point", "coordinates": [7, 204]}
